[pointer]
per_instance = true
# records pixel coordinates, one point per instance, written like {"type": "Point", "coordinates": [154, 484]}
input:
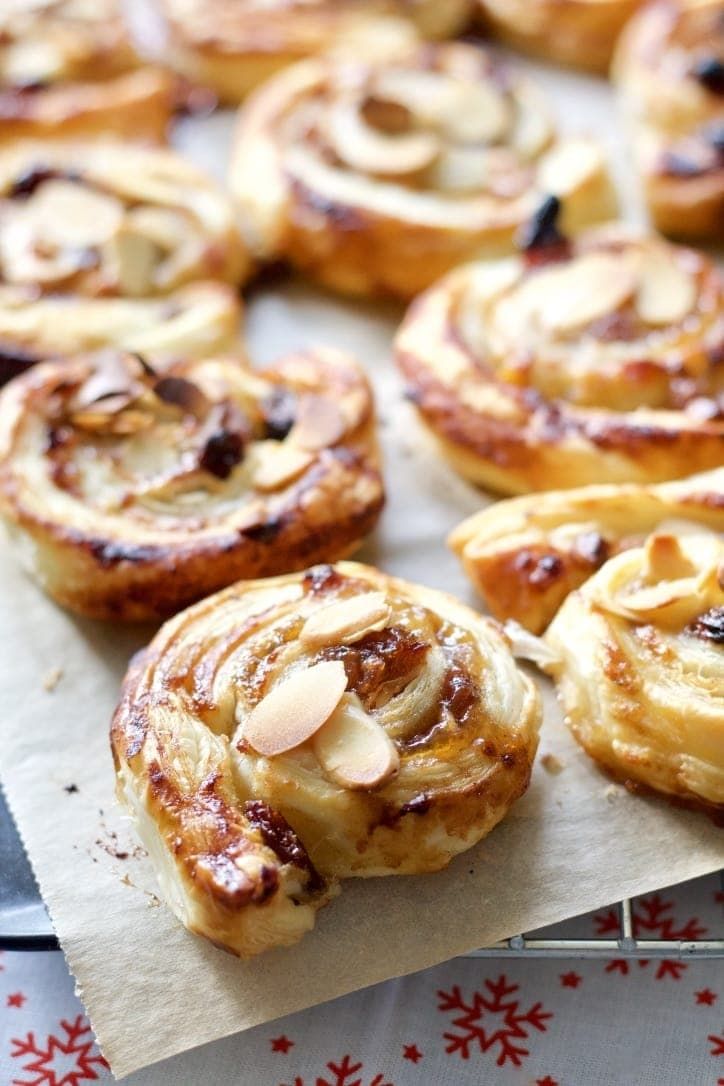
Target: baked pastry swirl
{"type": "Point", "coordinates": [68, 68]}
{"type": "Point", "coordinates": [525, 555]}
{"type": "Point", "coordinates": [288, 733]}
{"type": "Point", "coordinates": [132, 494]}
{"type": "Point", "coordinates": [669, 66]}
{"type": "Point", "coordinates": [641, 666]}
{"type": "Point", "coordinates": [376, 178]}
{"type": "Point", "coordinates": [195, 321]}
{"type": "Point", "coordinates": [596, 360]}
{"type": "Point", "coordinates": [233, 45]}
{"type": "Point", "coordinates": [112, 219]}
{"type": "Point", "coordinates": [581, 33]}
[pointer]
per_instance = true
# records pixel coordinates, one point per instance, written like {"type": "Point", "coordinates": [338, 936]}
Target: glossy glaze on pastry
{"type": "Point", "coordinates": [640, 671]}
{"type": "Point", "coordinates": [195, 321]}
{"type": "Point", "coordinates": [288, 733]}
{"type": "Point", "coordinates": [234, 45]}
{"type": "Point", "coordinates": [105, 219]}
{"type": "Point", "coordinates": [525, 555]}
{"type": "Point", "coordinates": [581, 33]}
{"type": "Point", "coordinates": [591, 361]}
{"type": "Point", "coordinates": [376, 178]}
{"type": "Point", "coordinates": [669, 67]}
{"type": "Point", "coordinates": [130, 493]}
{"type": "Point", "coordinates": [69, 68]}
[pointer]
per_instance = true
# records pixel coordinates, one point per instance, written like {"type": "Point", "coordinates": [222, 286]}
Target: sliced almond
{"type": "Point", "coordinates": [71, 214]}
{"type": "Point", "coordinates": [666, 292]}
{"type": "Point", "coordinates": [478, 113]}
{"type": "Point", "coordinates": [572, 296]}
{"type": "Point", "coordinates": [353, 749]}
{"type": "Point", "coordinates": [133, 259]}
{"type": "Point", "coordinates": [368, 150]}
{"type": "Point", "coordinates": [279, 464]}
{"type": "Point", "coordinates": [665, 559]}
{"type": "Point", "coordinates": [568, 166]}
{"type": "Point", "coordinates": [319, 423]}
{"type": "Point", "coordinates": [345, 621]}
{"type": "Point", "coordinates": [295, 708]}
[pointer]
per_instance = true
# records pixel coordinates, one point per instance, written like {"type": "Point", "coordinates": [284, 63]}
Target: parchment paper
{"type": "Point", "coordinates": [574, 843]}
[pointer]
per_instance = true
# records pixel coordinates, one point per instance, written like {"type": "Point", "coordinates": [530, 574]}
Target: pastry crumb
{"type": "Point", "coordinates": [552, 764]}
{"type": "Point", "coordinates": [611, 792]}
{"type": "Point", "coordinates": [52, 678]}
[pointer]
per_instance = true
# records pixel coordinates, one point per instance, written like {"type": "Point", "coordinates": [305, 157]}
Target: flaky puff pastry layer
{"type": "Point", "coordinates": [525, 555]}
{"type": "Point", "coordinates": [195, 321]}
{"type": "Point", "coordinates": [376, 178]}
{"type": "Point", "coordinates": [581, 362]}
{"type": "Point", "coordinates": [234, 45]}
{"type": "Point", "coordinates": [105, 219]}
{"type": "Point", "coordinates": [581, 33]}
{"type": "Point", "coordinates": [288, 733]}
{"type": "Point", "coordinates": [640, 669]}
{"type": "Point", "coordinates": [131, 493]}
{"type": "Point", "coordinates": [69, 68]}
{"type": "Point", "coordinates": [669, 66]}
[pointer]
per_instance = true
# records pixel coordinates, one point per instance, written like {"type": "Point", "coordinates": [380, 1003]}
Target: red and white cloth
{"type": "Point", "coordinates": [477, 1021]}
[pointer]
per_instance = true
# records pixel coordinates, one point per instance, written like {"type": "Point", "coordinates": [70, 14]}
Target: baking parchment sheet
{"type": "Point", "coordinates": [574, 843]}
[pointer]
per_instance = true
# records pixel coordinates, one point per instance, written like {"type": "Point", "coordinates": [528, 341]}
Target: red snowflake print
{"type": "Point", "coordinates": [16, 999]}
{"type": "Point", "coordinates": [62, 1061]}
{"type": "Point", "coordinates": [492, 1019]}
{"type": "Point", "coordinates": [706, 997]}
{"type": "Point", "coordinates": [652, 916]}
{"type": "Point", "coordinates": [547, 1081]}
{"type": "Point", "coordinates": [570, 980]}
{"type": "Point", "coordinates": [281, 1044]}
{"type": "Point", "coordinates": [717, 1044]}
{"type": "Point", "coordinates": [412, 1053]}
{"type": "Point", "coordinates": [342, 1075]}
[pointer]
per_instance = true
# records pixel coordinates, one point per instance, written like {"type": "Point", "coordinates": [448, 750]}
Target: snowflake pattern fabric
{"type": "Point", "coordinates": [469, 1022]}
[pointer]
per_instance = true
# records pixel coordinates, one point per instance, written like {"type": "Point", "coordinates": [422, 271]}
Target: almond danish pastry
{"type": "Point", "coordinates": [669, 66]}
{"type": "Point", "coordinates": [525, 555]}
{"type": "Point", "coordinates": [640, 668]}
{"type": "Point", "coordinates": [132, 493]}
{"type": "Point", "coordinates": [596, 360]}
{"type": "Point", "coordinates": [376, 178]}
{"type": "Point", "coordinates": [68, 68]}
{"type": "Point", "coordinates": [105, 219]}
{"type": "Point", "coordinates": [233, 45]}
{"type": "Point", "coordinates": [291, 732]}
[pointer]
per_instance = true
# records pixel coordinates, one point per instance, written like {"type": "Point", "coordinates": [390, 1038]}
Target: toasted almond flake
{"type": "Point", "coordinates": [353, 749]}
{"type": "Point", "coordinates": [552, 764]}
{"type": "Point", "coordinates": [295, 708]}
{"type": "Point", "coordinates": [281, 464]}
{"type": "Point", "coordinates": [134, 259]}
{"type": "Point", "coordinates": [66, 213]}
{"type": "Point", "coordinates": [52, 678]}
{"type": "Point", "coordinates": [666, 293]}
{"type": "Point", "coordinates": [665, 559]}
{"type": "Point", "coordinates": [319, 423]}
{"type": "Point", "coordinates": [345, 620]}
{"type": "Point", "coordinates": [478, 113]}
{"type": "Point", "coordinates": [568, 166]}
{"type": "Point", "coordinates": [583, 290]}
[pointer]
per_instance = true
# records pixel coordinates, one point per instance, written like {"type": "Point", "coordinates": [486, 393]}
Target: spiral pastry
{"type": "Point", "coordinates": [640, 668]}
{"type": "Point", "coordinates": [578, 362]}
{"type": "Point", "coordinates": [525, 555]}
{"type": "Point", "coordinates": [376, 178]}
{"type": "Point", "coordinates": [669, 66]}
{"type": "Point", "coordinates": [581, 33]}
{"type": "Point", "coordinates": [288, 733]}
{"type": "Point", "coordinates": [68, 68]}
{"type": "Point", "coordinates": [112, 219]}
{"type": "Point", "coordinates": [195, 321]}
{"type": "Point", "coordinates": [131, 494]}
{"type": "Point", "coordinates": [233, 45]}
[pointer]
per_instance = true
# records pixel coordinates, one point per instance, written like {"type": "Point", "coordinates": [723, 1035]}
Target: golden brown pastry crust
{"type": "Point", "coordinates": [195, 321]}
{"type": "Point", "coordinates": [106, 218]}
{"type": "Point", "coordinates": [403, 737]}
{"type": "Point", "coordinates": [133, 495]}
{"type": "Point", "coordinates": [581, 33]}
{"type": "Point", "coordinates": [232, 45]}
{"type": "Point", "coordinates": [669, 66]}
{"type": "Point", "coordinates": [378, 178]}
{"type": "Point", "coordinates": [525, 555]}
{"type": "Point", "coordinates": [586, 362]}
{"type": "Point", "coordinates": [640, 666]}
{"type": "Point", "coordinates": [69, 69]}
